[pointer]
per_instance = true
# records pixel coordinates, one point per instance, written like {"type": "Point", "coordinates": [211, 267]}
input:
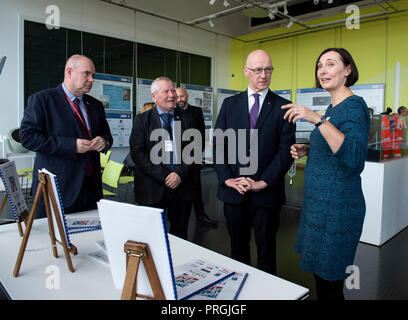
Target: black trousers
{"type": "Point", "coordinates": [87, 197]}
{"type": "Point", "coordinates": [198, 203]}
{"type": "Point", "coordinates": [178, 212]}
{"type": "Point", "coordinates": [329, 290]}
{"type": "Point", "coordinates": [265, 220]}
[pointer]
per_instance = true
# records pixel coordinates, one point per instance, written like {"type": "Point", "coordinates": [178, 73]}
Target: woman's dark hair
{"type": "Point", "coordinates": [347, 61]}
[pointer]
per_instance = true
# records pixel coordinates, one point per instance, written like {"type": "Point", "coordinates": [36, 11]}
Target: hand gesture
{"type": "Point", "coordinates": [98, 144]}
{"type": "Point", "coordinates": [83, 145]}
{"type": "Point", "coordinates": [239, 184]}
{"type": "Point", "coordinates": [299, 150]}
{"type": "Point", "coordinates": [296, 112]}
{"type": "Point", "coordinates": [173, 180]}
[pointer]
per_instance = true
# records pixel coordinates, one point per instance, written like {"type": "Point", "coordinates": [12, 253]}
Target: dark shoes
{"type": "Point", "coordinates": [204, 219]}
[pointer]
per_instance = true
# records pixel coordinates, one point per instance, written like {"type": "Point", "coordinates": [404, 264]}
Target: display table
{"type": "Point", "coordinates": [92, 280]}
{"type": "Point", "coordinates": [385, 188]}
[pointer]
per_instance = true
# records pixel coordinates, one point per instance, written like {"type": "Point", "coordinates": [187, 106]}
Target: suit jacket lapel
{"type": "Point", "coordinates": [68, 109]}
{"type": "Point", "coordinates": [91, 115]}
{"type": "Point", "coordinates": [266, 108]}
{"type": "Point", "coordinates": [155, 120]}
{"type": "Point", "coordinates": [244, 111]}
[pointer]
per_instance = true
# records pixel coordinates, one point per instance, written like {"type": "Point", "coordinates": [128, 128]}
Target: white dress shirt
{"type": "Point", "coordinates": [251, 98]}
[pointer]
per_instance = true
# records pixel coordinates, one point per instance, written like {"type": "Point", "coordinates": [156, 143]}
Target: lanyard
{"type": "Point", "coordinates": [77, 114]}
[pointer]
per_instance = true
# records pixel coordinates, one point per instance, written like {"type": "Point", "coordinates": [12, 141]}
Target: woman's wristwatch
{"type": "Point", "coordinates": [323, 120]}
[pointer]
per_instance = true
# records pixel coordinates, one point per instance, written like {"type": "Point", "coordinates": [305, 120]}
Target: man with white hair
{"type": "Point", "coordinates": [68, 129]}
{"type": "Point", "coordinates": [162, 184]}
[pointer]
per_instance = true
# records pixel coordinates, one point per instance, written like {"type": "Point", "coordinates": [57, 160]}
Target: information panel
{"type": "Point", "coordinates": [121, 126]}
{"type": "Point", "coordinates": [286, 94]}
{"type": "Point", "coordinates": [143, 94]}
{"type": "Point", "coordinates": [373, 95]}
{"type": "Point", "coordinates": [222, 94]}
{"type": "Point", "coordinates": [202, 97]}
{"type": "Point", "coordinates": [315, 99]}
{"type": "Point", "coordinates": [318, 100]}
{"type": "Point", "coordinates": [116, 94]}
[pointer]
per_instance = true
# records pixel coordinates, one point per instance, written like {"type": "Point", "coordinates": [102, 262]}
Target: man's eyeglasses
{"type": "Point", "coordinates": [268, 70]}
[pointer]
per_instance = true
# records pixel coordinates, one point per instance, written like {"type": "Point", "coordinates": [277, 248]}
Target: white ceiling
{"type": "Point", "coordinates": [231, 20]}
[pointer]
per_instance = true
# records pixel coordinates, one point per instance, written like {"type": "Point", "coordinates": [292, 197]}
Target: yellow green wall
{"type": "Point", "coordinates": [376, 48]}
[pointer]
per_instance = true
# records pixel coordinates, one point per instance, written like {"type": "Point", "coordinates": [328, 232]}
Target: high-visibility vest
{"type": "Point", "coordinates": [391, 131]}
{"type": "Point", "coordinates": [391, 136]}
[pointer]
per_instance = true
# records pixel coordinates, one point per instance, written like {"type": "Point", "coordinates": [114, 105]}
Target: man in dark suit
{"type": "Point", "coordinates": [254, 199]}
{"type": "Point", "coordinates": [196, 120]}
{"type": "Point", "coordinates": [68, 129]}
{"type": "Point", "coordinates": [161, 176]}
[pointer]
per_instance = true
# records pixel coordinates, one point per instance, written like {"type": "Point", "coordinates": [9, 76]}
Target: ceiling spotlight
{"type": "Point", "coordinates": [226, 4]}
{"type": "Point", "coordinates": [212, 2]}
{"type": "Point", "coordinates": [271, 15]}
{"type": "Point", "coordinates": [212, 25]}
{"type": "Point", "coordinates": [330, 1]}
{"type": "Point", "coordinates": [315, 2]}
{"type": "Point", "coordinates": [290, 24]}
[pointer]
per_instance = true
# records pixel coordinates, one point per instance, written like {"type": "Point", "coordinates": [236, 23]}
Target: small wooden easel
{"type": "Point", "coordinates": [22, 218]}
{"type": "Point", "coordinates": [45, 190]}
{"type": "Point", "coordinates": [136, 252]}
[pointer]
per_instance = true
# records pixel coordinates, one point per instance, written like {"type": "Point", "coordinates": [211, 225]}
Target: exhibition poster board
{"type": "Point", "coordinates": [202, 97]}
{"type": "Point", "coordinates": [116, 94]}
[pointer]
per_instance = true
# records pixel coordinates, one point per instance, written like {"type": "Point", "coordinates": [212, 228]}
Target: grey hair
{"type": "Point", "coordinates": [155, 84]}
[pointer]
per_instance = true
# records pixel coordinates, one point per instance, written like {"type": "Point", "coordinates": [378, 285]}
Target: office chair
{"type": "Point", "coordinates": [105, 158]}
{"type": "Point", "coordinates": [111, 175]}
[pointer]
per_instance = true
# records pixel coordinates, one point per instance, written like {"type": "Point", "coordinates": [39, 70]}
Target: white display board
{"type": "Point", "coordinates": [286, 94]}
{"type": "Point", "coordinates": [373, 95]}
{"type": "Point", "coordinates": [11, 182]}
{"type": "Point", "coordinates": [116, 95]}
{"type": "Point", "coordinates": [315, 99]}
{"type": "Point", "coordinates": [222, 94]}
{"type": "Point", "coordinates": [143, 94]}
{"type": "Point", "coordinates": [122, 222]}
{"type": "Point", "coordinates": [202, 97]}
{"type": "Point", "coordinates": [318, 100]}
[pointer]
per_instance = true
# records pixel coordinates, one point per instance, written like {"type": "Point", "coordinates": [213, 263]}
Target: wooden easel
{"type": "Point", "coordinates": [45, 190]}
{"type": "Point", "coordinates": [136, 252]}
{"type": "Point", "coordinates": [22, 218]}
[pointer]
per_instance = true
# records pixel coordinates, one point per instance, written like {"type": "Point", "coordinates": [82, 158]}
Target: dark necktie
{"type": "Point", "coordinates": [85, 135]}
{"type": "Point", "coordinates": [167, 117]}
{"type": "Point", "coordinates": [253, 115]}
{"type": "Point", "coordinates": [78, 109]}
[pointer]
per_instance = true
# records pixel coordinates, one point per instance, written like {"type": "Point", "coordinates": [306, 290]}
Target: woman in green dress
{"type": "Point", "coordinates": [334, 207]}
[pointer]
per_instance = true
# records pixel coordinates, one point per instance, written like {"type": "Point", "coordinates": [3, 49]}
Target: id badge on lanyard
{"type": "Point", "coordinates": [169, 146]}
{"type": "Point", "coordinates": [77, 114]}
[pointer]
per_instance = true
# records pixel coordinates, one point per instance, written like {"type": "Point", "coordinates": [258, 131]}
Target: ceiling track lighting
{"type": "Point", "coordinates": [212, 2]}
{"type": "Point", "coordinates": [274, 9]}
{"type": "Point", "coordinates": [212, 25]}
{"type": "Point", "coordinates": [285, 9]}
{"type": "Point", "coordinates": [226, 4]}
{"type": "Point", "coordinates": [290, 24]}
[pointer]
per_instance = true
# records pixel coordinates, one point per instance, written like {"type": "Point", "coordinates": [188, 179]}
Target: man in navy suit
{"type": "Point", "coordinates": [68, 129]}
{"type": "Point", "coordinates": [162, 178]}
{"type": "Point", "coordinates": [255, 199]}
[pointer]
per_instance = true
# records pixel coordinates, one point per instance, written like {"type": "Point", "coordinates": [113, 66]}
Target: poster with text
{"type": "Point", "coordinates": [116, 94]}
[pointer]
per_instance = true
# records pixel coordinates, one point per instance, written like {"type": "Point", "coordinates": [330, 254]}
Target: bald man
{"type": "Point", "coordinates": [196, 120]}
{"type": "Point", "coordinates": [254, 200]}
{"type": "Point", "coordinates": [68, 129]}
